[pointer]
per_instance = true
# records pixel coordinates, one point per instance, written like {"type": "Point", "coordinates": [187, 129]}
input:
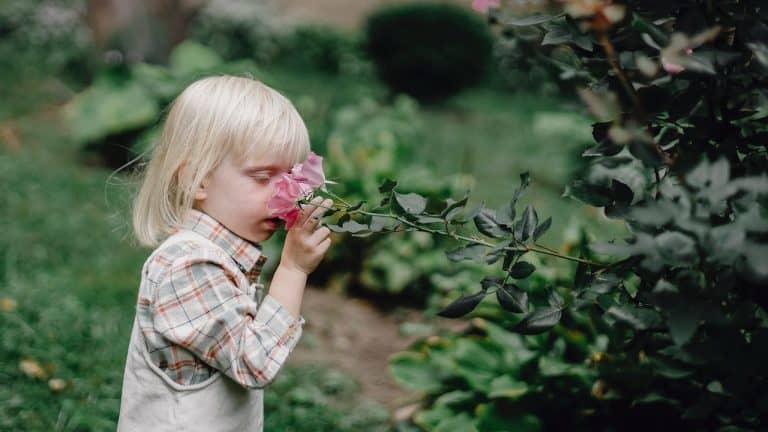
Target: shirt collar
{"type": "Point", "coordinates": [247, 255]}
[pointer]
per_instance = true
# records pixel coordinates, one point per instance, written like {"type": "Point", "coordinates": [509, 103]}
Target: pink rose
{"type": "Point", "coordinates": [303, 179]}
{"type": "Point", "coordinates": [284, 199]}
{"type": "Point", "coordinates": [310, 171]}
{"type": "Point", "coordinates": [482, 6]}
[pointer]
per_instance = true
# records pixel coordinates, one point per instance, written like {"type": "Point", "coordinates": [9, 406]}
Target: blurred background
{"type": "Point", "coordinates": [424, 93]}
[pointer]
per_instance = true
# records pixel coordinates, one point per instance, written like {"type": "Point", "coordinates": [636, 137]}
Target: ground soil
{"type": "Point", "coordinates": [351, 335]}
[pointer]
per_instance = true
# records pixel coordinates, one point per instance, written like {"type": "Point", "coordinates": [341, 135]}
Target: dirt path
{"type": "Point", "coordinates": [351, 335]}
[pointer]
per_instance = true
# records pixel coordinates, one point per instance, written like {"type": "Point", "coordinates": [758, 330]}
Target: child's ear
{"type": "Point", "coordinates": [200, 193]}
{"type": "Point", "coordinates": [185, 178]}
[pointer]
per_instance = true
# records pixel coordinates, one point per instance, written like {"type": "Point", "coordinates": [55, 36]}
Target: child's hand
{"type": "Point", "coordinates": [307, 241]}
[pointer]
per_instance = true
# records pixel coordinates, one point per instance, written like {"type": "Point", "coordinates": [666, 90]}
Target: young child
{"type": "Point", "coordinates": [205, 340]}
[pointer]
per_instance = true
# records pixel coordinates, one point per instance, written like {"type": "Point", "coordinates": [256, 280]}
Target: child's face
{"type": "Point", "coordinates": [236, 195]}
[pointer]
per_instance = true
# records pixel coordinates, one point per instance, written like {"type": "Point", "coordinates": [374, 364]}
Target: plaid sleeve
{"type": "Point", "coordinates": [199, 306]}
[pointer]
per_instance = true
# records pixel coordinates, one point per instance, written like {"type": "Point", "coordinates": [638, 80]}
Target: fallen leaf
{"type": "Point", "coordinates": [32, 368]}
{"type": "Point", "coordinates": [7, 304]}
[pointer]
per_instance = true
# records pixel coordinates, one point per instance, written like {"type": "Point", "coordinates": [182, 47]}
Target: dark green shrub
{"type": "Point", "coordinates": [429, 51]}
{"type": "Point", "coordinates": [320, 47]}
{"type": "Point", "coordinates": [680, 304]}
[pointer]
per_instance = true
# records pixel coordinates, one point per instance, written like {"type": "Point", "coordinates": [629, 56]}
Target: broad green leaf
{"type": "Point", "coordinates": [413, 370]}
{"type": "Point", "coordinates": [505, 215]}
{"type": "Point", "coordinates": [637, 318]}
{"type": "Point", "coordinates": [454, 397]}
{"type": "Point", "coordinates": [592, 194]}
{"type": "Point", "coordinates": [530, 20]}
{"type": "Point", "coordinates": [555, 299]}
{"type": "Point", "coordinates": [486, 224]}
{"type": "Point", "coordinates": [507, 387]}
{"type": "Point", "coordinates": [412, 203]}
{"type": "Point", "coordinates": [542, 228]}
{"type": "Point", "coordinates": [683, 319]}
{"type": "Point", "coordinates": [528, 223]}
{"type": "Point", "coordinates": [564, 32]}
{"type": "Point", "coordinates": [107, 108]}
{"type": "Point", "coordinates": [460, 422]}
{"type": "Point", "coordinates": [452, 208]}
{"type": "Point", "coordinates": [512, 298]}
{"type": "Point", "coordinates": [677, 248]}
{"type": "Point", "coordinates": [463, 305]}
{"type": "Point", "coordinates": [469, 252]}
{"type": "Point", "coordinates": [521, 270]}
{"type": "Point", "coordinates": [191, 57]}
{"type": "Point", "coordinates": [538, 321]}
{"type": "Point", "coordinates": [349, 226]}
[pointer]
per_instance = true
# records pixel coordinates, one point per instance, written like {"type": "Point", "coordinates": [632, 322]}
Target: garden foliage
{"type": "Point", "coordinates": [429, 51]}
{"type": "Point", "coordinates": [679, 89]}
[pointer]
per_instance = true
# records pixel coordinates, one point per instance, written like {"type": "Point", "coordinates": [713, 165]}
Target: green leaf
{"type": "Point", "coordinates": [530, 20]}
{"type": "Point", "coordinates": [512, 298]}
{"type": "Point", "coordinates": [554, 299]}
{"type": "Point", "coordinates": [497, 252]}
{"type": "Point", "coordinates": [459, 422]}
{"type": "Point", "coordinates": [521, 270]}
{"type": "Point", "coordinates": [452, 207]}
{"type": "Point", "coordinates": [349, 226]}
{"type": "Point", "coordinates": [505, 215]}
{"type": "Point", "coordinates": [542, 228]}
{"type": "Point", "coordinates": [388, 186]}
{"type": "Point", "coordinates": [486, 223]}
{"type": "Point", "coordinates": [637, 318]}
{"type": "Point", "coordinates": [646, 152]}
{"type": "Point", "coordinates": [381, 223]}
{"type": "Point", "coordinates": [455, 397]}
{"type": "Point", "coordinates": [413, 370]}
{"type": "Point", "coordinates": [525, 181]}
{"type": "Point", "coordinates": [683, 320]}
{"type": "Point", "coordinates": [507, 387]}
{"type": "Point", "coordinates": [463, 305]}
{"type": "Point", "coordinates": [191, 57]}
{"type": "Point", "coordinates": [412, 203]}
{"type": "Point", "coordinates": [760, 50]}
{"type": "Point", "coordinates": [528, 222]}
{"type": "Point", "coordinates": [592, 194]}
{"type": "Point", "coordinates": [677, 248]}
{"type": "Point", "coordinates": [562, 32]}
{"type": "Point", "coordinates": [539, 321]}
{"type": "Point", "coordinates": [469, 252]}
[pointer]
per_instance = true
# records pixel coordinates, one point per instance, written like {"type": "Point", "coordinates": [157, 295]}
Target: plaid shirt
{"type": "Point", "coordinates": [199, 311]}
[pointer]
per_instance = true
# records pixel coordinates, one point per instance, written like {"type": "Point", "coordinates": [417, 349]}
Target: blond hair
{"type": "Point", "coordinates": [211, 118]}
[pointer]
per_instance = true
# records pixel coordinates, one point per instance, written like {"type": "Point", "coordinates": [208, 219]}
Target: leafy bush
{"type": "Point", "coordinates": [116, 117]}
{"type": "Point", "coordinates": [238, 29]}
{"type": "Point", "coordinates": [45, 37]}
{"type": "Point", "coordinates": [322, 48]}
{"type": "Point", "coordinates": [429, 51]}
{"type": "Point", "coordinates": [368, 144]}
{"type": "Point", "coordinates": [680, 156]}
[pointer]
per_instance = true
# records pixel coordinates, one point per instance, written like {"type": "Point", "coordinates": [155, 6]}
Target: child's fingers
{"type": "Point", "coordinates": [320, 235]}
{"type": "Point", "coordinates": [314, 218]}
{"type": "Point", "coordinates": [306, 212]}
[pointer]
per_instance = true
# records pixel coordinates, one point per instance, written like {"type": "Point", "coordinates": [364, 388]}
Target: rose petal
{"type": "Point", "coordinates": [310, 171]}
